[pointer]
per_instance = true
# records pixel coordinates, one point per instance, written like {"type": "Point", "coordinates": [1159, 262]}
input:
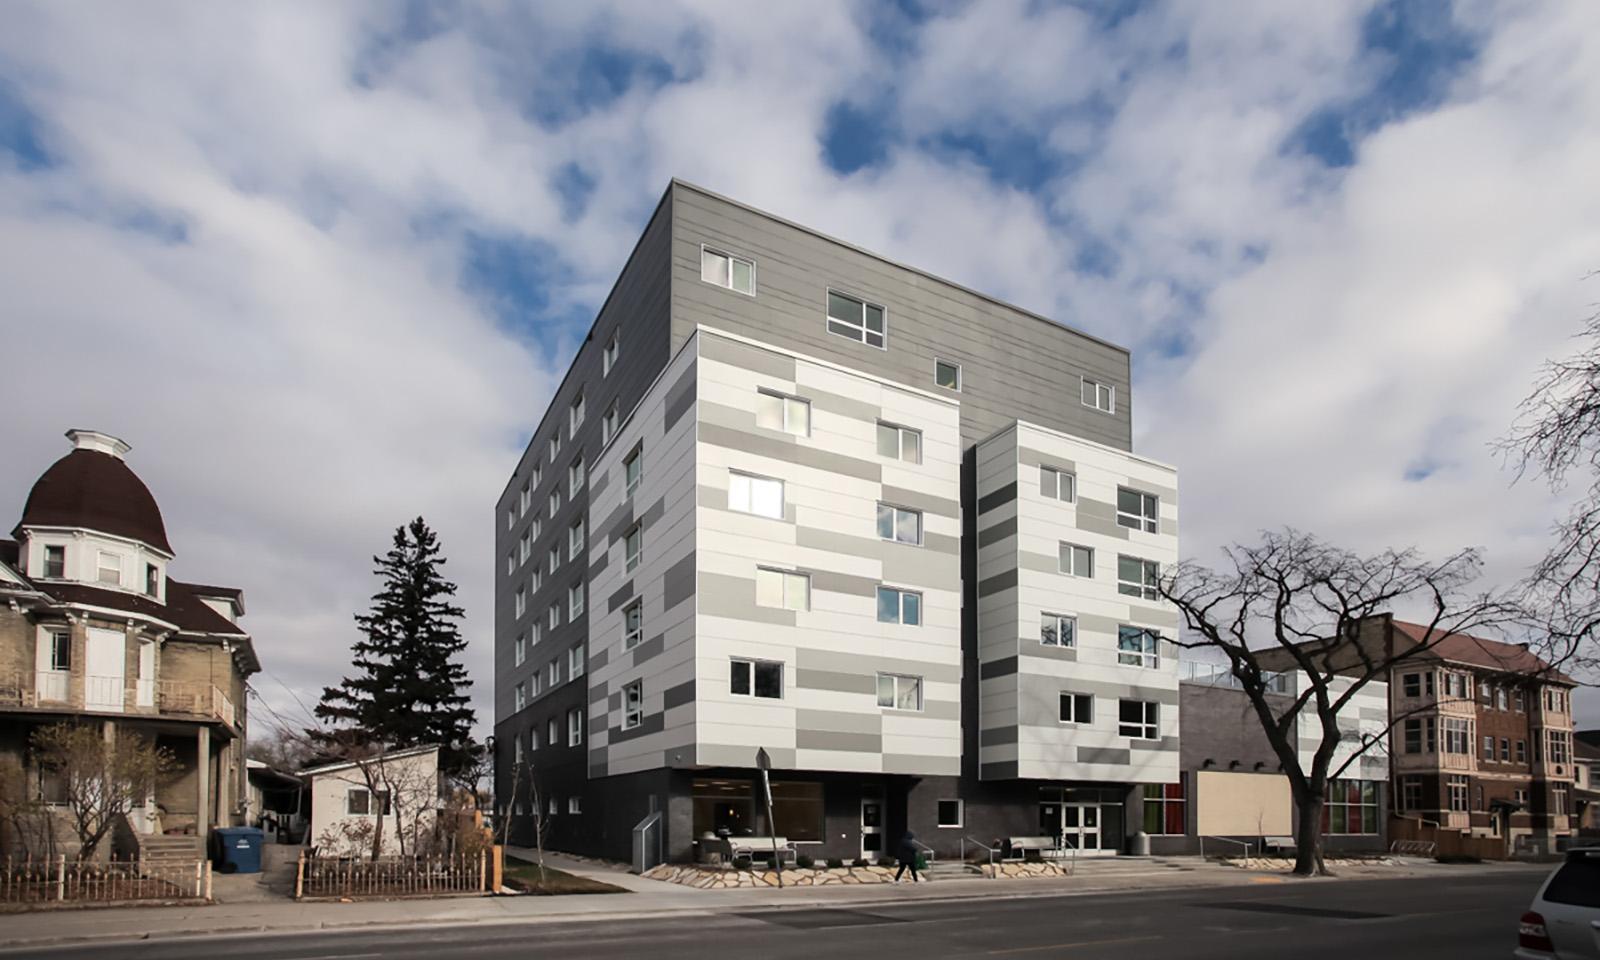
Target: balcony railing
{"type": "Point", "coordinates": [54, 689]}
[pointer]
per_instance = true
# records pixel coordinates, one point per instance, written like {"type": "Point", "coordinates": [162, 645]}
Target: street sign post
{"type": "Point", "coordinates": [764, 764]}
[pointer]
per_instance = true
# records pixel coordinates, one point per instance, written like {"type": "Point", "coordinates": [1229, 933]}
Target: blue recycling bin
{"type": "Point", "coordinates": [237, 849]}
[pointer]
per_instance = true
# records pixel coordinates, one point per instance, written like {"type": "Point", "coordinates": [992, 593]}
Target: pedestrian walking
{"type": "Point", "coordinates": [906, 853]}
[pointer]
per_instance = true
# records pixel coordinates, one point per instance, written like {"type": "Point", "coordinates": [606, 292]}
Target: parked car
{"type": "Point", "coordinates": [1563, 922]}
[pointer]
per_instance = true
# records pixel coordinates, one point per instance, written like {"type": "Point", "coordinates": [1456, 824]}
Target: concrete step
{"type": "Point", "coordinates": [170, 849]}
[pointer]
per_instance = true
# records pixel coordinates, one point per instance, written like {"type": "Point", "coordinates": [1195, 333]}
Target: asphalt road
{"type": "Point", "coordinates": [1456, 917]}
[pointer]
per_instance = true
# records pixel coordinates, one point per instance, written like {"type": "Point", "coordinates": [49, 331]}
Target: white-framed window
{"type": "Point", "coordinates": [1139, 719]}
{"type": "Point", "coordinates": [779, 411]}
{"type": "Point", "coordinates": [60, 651]}
{"type": "Point", "coordinates": [748, 493]}
{"type": "Point", "coordinates": [632, 547]}
{"type": "Point", "coordinates": [1077, 707]}
{"type": "Point", "coordinates": [555, 445]}
{"type": "Point", "coordinates": [951, 814]}
{"type": "Point", "coordinates": [1457, 735]}
{"type": "Point", "coordinates": [574, 804]}
{"type": "Point", "coordinates": [533, 739]}
{"type": "Point", "coordinates": [1101, 396]}
{"type": "Point", "coordinates": [525, 498]}
{"type": "Point", "coordinates": [518, 753]}
{"type": "Point", "coordinates": [1138, 510]}
{"type": "Point", "coordinates": [859, 320]}
{"type": "Point", "coordinates": [1138, 578]}
{"type": "Point", "coordinates": [1058, 484]}
{"type": "Point", "coordinates": [899, 692]}
{"type": "Point", "coordinates": [520, 605]}
{"type": "Point", "coordinates": [899, 524]}
{"type": "Point", "coordinates": [519, 650]}
{"type": "Point", "coordinates": [525, 545]}
{"type": "Point", "coordinates": [899, 606]}
{"type": "Point", "coordinates": [575, 601]}
{"type": "Point", "coordinates": [1138, 647]}
{"type": "Point", "coordinates": [552, 805]}
{"type": "Point", "coordinates": [727, 270]}
{"type": "Point", "coordinates": [109, 568]}
{"type": "Point", "coordinates": [946, 374]}
{"type": "Point", "coordinates": [608, 424]}
{"type": "Point", "coordinates": [537, 681]}
{"type": "Point", "coordinates": [608, 357]}
{"type": "Point", "coordinates": [574, 727]}
{"type": "Point", "coordinates": [554, 557]}
{"type": "Point", "coordinates": [575, 539]}
{"type": "Point", "coordinates": [555, 615]}
{"type": "Point", "coordinates": [575, 662]}
{"type": "Point", "coordinates": [358, 802]}
{"type": "Point", "coordinates": [552, 673]}
{"type": "Point", "coordinates": [899, 443]}
{"type": "Point", "coordinates": [555, 502]}
{"type": "Point", "coordinates": [1458, 794]}
{"type": "Point", "coordinates": [632, 624]}
{"type": "Point", "coordinates": [511, 562]}
{"type": "Point", "coordinates": [784, 589]}
{"type": "Point", "coordinates": [520, 695]}
{"type": "Point", "coordinates": [55, 562]}
{"type": "Point", "coordinates": [152, 580]}
{"type": "Point", "coordinates": [1058, 630]}
{"type": "Point", "coordinates": [633, 469]}
{"type": "Point", "coordinates": [511, 518]}
{"type": "Point", "coordinates": [632, 704]}
{"type": "Point", "coordinates": [552, 732]}
{"type": "Point", "coordinates": [534, 576]}
{"type": "Point", "coordinates": [1076, 560]}
{"type": "Point", "coordinates": [762, 679]}
{"type": "Point", "coordinates": [575, 414]}
{"type": "Point", "coordinates": [576, 476]}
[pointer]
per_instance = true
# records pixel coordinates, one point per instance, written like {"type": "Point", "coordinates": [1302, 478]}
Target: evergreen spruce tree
{"type": "Point", "coordinates": [409, 688]}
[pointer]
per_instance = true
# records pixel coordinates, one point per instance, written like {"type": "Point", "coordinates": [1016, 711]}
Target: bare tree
{"type": "Point", "coordinates": [102, 779]}
{"type": "Point", "coordinates": [525, 786]}
{"type": "Point", "coordinates": [1292, 602]}
{"type": "Point", "coordinates": [25, 820]}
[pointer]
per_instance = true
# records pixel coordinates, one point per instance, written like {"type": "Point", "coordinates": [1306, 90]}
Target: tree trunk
{"type": "Point", "coordinates": [1308, 838]}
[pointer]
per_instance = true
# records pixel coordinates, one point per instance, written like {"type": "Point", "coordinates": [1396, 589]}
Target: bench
{"type": "Point", "coordinates": [727, 849]}
{"type": "Point", "coordinates": [1277, 844]}
{"type": "Point", "coordinates": [1023, 844]}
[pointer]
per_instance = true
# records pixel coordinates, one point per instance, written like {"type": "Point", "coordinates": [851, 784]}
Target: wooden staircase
{"type": "Point", "coordinates": [170, 850]}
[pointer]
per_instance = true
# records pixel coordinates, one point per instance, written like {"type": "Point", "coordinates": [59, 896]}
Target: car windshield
{"type": "Point", "coordinates": [1576, 883]}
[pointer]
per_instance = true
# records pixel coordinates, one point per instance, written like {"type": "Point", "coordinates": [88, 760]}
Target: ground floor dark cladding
{"type": "Point", "coordinates": [831, 815]}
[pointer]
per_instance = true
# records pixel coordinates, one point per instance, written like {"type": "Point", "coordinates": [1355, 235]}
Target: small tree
{"type": "Point", "coordinates": [103, 779]}
{"type": "Point", "coordinates": [1293, 602]}
{"type": "Point", "coordinates": [25, 821]}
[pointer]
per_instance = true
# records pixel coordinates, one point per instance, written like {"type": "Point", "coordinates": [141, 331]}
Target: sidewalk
{"type": "Point", "coordinates": [646, 898]}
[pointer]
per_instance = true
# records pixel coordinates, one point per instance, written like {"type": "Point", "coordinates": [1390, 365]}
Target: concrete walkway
{"type": "Point", "coordinates": [648, 898]}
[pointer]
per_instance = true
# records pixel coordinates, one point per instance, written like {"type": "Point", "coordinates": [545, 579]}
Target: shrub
{"type": "Point", "coordinates": [741, 863]}
{"type": "Point", "coordinates": [859, 862]}
{"type": "Point", "coordinates": [834, 863]}
{"type": "Point", "coordinates": [805, 861]}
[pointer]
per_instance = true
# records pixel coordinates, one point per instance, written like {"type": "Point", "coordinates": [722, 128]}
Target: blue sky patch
{"type": "Point", "coordinates": [22, 133]}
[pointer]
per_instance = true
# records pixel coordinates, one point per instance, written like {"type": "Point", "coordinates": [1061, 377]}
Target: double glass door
{"type": "Point", "coordinates": [1076, 824]}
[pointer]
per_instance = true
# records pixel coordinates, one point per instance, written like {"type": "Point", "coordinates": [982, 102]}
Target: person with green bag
{"type": "Point", "coordinates": [907, 854]}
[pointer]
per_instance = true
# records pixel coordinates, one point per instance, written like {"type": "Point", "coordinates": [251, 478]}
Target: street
{"type": "Point", "coordinates": [1459, 916]}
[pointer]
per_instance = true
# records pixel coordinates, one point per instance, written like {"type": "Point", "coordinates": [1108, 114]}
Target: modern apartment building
{"type": "Point", "coordinates": [794, 496]}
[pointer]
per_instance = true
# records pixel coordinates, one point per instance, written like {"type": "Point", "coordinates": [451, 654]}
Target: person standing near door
{"type": "Point", "coordinates": [906, 853]}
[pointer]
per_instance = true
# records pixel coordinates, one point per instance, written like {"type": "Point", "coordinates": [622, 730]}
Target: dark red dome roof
{"type": "Point", "coordinates": [96, 491]}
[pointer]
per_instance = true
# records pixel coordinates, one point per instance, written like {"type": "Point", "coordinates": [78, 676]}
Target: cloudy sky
{"type": "Point", "coordinates": [322, 263]}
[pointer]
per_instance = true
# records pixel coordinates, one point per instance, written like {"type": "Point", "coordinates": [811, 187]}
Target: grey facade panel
{"type": "Point", "coordinates": [997, 583]}
{"type": "Point", "coordinates": [619, 597]}
{"type": "Point", "coordinates": [848, 584]}
{"type": "Point", "coordinates": [678, 696]}
{"type": "Point", "coordinates": [1004, 667]}
{"type": "Point", "coordinates": [1003, 770]}
{"type": "Point", "coordinates": [648, 724]}
{"type": "Point", "coordinates": [783, 448]}
{"type": "Point", "coordinates": [680, 400]}
{"type": "Point", "coordinates": [808, 739]}
{"type": "Point", "coordinates": [1097, 517]}
{"type": "Point", "coordinates": [997, 498]}
{"type": "Point", "coordinates": [836, 681]}
{"type": "Point", "coordinates": [997, 532]}
{"type": "Point", "coordinates": [721, 595]}
{"type": "Point", "coordinates": [677, 584]}
{"type": "Point", "coordinates": [1109, 755]}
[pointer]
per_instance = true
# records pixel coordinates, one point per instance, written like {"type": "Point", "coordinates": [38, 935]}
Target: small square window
{"type": "Point", "coordinates": [776, 411]}
{"type": "Point", "coordinates": [762, 496]}
{"type": "Point", "coordinates": [1138, 511]}
{"type": "Point", "coordinates": [899, 524]}
{"type": "Point", "coordinates": [899, 443]}
{"type": "Point", "coordinates": [110, 568]}
{"type": "Point", "coordinates": [1138, 647]}
{"type": "Point", "coordinates": [950, 813]}
{"type": "Point", "coordinates": [55, 562]}
{"type": "Point", "coordinates": [727, 270]}
{"type": "Point", "coordinates": [1057, 485]}
{"type": "Point", "coordinates": [1058, 630]}
{"type": "Point", "coordinates": [899, 606]}
{"type": "Point", "coordinates": [1138, 719]}
{"type": "Point", "coordinates": [762, 679]}
{"type": "Point", "coordinates": [856, 319]}
{"type": "Point", "coordinates": [1138, 578]}
{"type": "Point", "coordinates": [947, 374]}
{"type": "Point", "coordinates": [574, 804]}
{"type": "Point", "coordinates": [1076, 560]}
{"type": "Point", "coordinates": [1077, 708]}
{"type": "Point", "coordinates": [899, 692]}
{"type": "Point", "coordinates": [783, 589]}
{"type": "Point", "coordinates": [1101, 396]}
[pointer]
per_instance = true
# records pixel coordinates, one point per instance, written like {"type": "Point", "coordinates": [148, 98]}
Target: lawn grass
{"type": "Point", "coordinates": [524, 876]}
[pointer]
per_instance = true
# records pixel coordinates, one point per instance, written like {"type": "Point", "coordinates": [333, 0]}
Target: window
{"type": "Point", "coordinates": [110, 568]}
{"type": "Point", "coordinates": [1077, 561]}
{"type": "Point", "coordinates": [608, 425]}
{"type": "Point", "coordinates": [783, 589]}
{"type": "Point", "coordinates": [1138, 578]}
{"type": "Point", "coordinates": [574, 804]}
{"type": "Point", "coordinates": [555, 445]}
{"type": "Point", "coordinates": [1411, 794]}
{"type": "Point", "coordinates": [1414, 730]}
{"type": "Point", "coordinates": [551, 807]}
{"type": "Point", "coordinates": [1519, 701]}
{"type": "Point", "coordinates": [899, 692]}
{"type": "Point", "coordinates": [575, 662]}
{"type": "Point", "coordinates": [537, 680]}
{"type": "Point", "coordinates": [899, 443]}
{"type": "Point", "coordinates": [519, 650]}
{"type": "Point", "coordinates": [632, 545]}
{"type": "Point", "coordinates": [1352, 807]}
{"type": "Point", "coordinates": [553, 673]}
{"type": "Point", "coordinates": [1458, 794]}
{"type": "Point", "coordinates": [856, 319]}
{"type": "Point", "coordinates": [776, 411]}
{"type": "Point", "coordinates": [533, 739]}
{"type": "Point", "coordinates": [357, 802]}
{"type": "Point", "coordinates": [632, 468]}
{"type": "Point", "coordinates": [511, 517]}
{"type": "Point", "coordinates": [1560, 750]}
{"type": "Point", "coordinates": [1427, 683]}
{"type": "Point", "coordinates": [554, 557]}
{"type": "Point", "coordinates": [55, 562]}
{"type": "Point", "coordinates": [574, 727]}
{"type": "Point", "coordinates": [1411, 683]}
{"type": "Point", "coordinates": [1457, 735]}
{"type": "Point", "coordinates": [632, 704]}
{"type": "Point", "coordinates": [575, 414]}
{"type": "Point", "coordinates": [518, 753]}
{"type": "Point", "coordinates": [1138, 719]}
{"type": "Point", "coordinates": [762, 496]}
{"type": "Point", "coordinates": [946, 374]}
{"type": "Point", "coordinates": [1522, 751]}
{"type": "Point", "coordinates": [608, 357]}
{"type": "Point", "coordinates": [1558, 801]}
{"type": "Point", "coordinates": [1455, 685]}
{"type": "Point", "coordinates": [521, 603]}
{"type": "Point", "coordinates": [60, 651]}
{"type": "Point", "coordinates": [1488, 749]}
{"type": "Point", "coordinates": [1138, 511]}
{"type": "Point", "coordinates": [524, 547]}
{"type": "Point", "coordinates": [1057, 485]}
{"type": "Point", "coordinates": [1058, 630]}
{"type": "Point", "coordinates": [1138, 647]}
{"type": "Point", "coordinates": [632, 624]}
{"type": "Point", "coordinates": [575, 539]}
{"type": "Point", "coordinates": [525, 498]}
{"type": "Point", "coordinates": [555, 615]}
{"type": "Point", "coordinates": [1101, 396]}
{"type": "Point", "coordinates": [727, 270]}
{"type": "Point", "coordinates": [1163, 809]}
{"type": "Point", "coordinates": [1077, 708]}
{"type": "Point", "coordinates": [1505, 750]}
{"type": "Point", "coordinates": [950, 813]}
{"type": "Point", "coordinates": [574, 601]}
{"type": "Point", "coordinates": [899, 524]}
{"type": "Point", "coordinates": [552, 732]}
{"type": "Point", "coordinates": [555, 501]}
{"type": "Point", "coordinates": [756, 678]}
{"type": "Point", "coordinates": [576, 476]}
{"type": "Point", "coordinates": [152, 579]}
{"type": "Point", "coordinates": [899, 606]}
{"type": "Point", "coordinates": [520, 694]}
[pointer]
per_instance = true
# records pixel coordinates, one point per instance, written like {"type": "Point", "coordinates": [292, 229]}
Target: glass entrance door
{"type": "Point", "coordinates": [1080, 827]}
{"type": "Point", "coordinates": [871, 828]}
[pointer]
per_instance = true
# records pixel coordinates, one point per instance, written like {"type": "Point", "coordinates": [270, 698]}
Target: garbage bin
{"type": "Point", "coordinates": [237, 849]}
{"type": "Point", "coordinates": [1141, 844]}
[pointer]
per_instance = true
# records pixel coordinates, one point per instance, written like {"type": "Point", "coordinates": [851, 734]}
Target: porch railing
{"type": "Point", "coordinates": [44, 689]}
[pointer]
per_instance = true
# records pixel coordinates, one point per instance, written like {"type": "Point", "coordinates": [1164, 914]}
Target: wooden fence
{"type": "Point", "coordinates": [1447, 841]}
{"type": "Point", "coordinates": [465, 873]}
{"type": "Point", "coordinates": [59, 880]}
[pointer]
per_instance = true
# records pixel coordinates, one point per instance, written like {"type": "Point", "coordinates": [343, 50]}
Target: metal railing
{"type": "Point", "coordinates": [993, 853]}
{"type": "Point", "coordinates": [1221, 675]}
{"type": "Point", "coordinates": [1247, 846]}
{"type": "Point", "coordinates": [647, 842]}
{"type": "Point", "coordinates": [924, 848]}
{"type": "Point", "coordinates": [1414, 848]}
